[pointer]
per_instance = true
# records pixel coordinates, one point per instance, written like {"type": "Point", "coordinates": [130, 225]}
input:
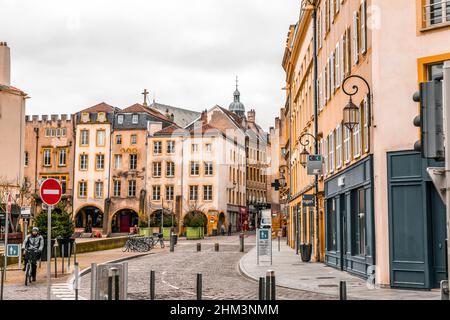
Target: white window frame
{"type": "Point", "coordinates": [135, 119]}
{"type": "Point", "coordinates": [117, 186]}
{"type": "Point", "coordinates": [100, 162]}
{"type": "Point", "coordinates": [132, 188]}
{"type": "Point", "coordinates": [169, 192]}
{"type": "Point", "coordinates": [366, 130]}
{"type": "Point", "coordinates": [337, 61]}
{"type": "Point", "coordinates": [193, 196]}
{"type": "Point", "coordinates": [120, 118]}
{"type": "Point", "coordinates": [98, 190]}
{"type": "Point", "coordinates": [331, 153]}
{"type": "Point", "coordinates": [332, 74]}
{"type": "Point", "coordinates": [84, 163]}
{"type": "Point", "coordinates": [156, 169]}
{"type": "Point", "coordinates": [363, 27]}
{"type": "Point", "coordinates": [347, 145]}
{"type": "Point", "coordinates": [84, 137]}
{"type": "Point", "coordinates": [357, 138]}
{"type": "Point", "coordinates": [339, 146]}
{"type": "Point", "coordinates": [133, 161]}
{"type": "Point", "coordinates": [170, 147]}
{"type": "Point", "coordinates": [157, 147]}
{"type": "Point", "coordinates": [325, 155]}
{"type": "Point", "coordinates": [208, 190]}
{"type": "Point", "coordinates": [170, 169]}
{"type": "Point", "coordinates": [117, 161]}
{"type": "Point", "coordinates": [342, 60]}
{"type": "Point", "coordinates": [82, 189]}
{"type": "Point", "coordinates": [156, 193]}
{"type": "Point", "coordinates": [355, 38]}
{"type": "Point", "coordinates": [62, 154]}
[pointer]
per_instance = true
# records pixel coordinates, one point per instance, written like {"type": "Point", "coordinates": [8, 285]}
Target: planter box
{"type": "Point", "coordinates": [67, 242]}
{"type": "Point", "coordinates": [44, 250]}
{"type": "Point", "coordinates": [166, 233]}
{"type": "Point", "coordinates": [145, 232]}
{"type": "Point", "coordinates": [194, 233]}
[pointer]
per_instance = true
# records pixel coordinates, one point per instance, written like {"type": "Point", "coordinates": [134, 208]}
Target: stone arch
{"type": "Point", "coordinates": [124, 219]}
{"type": "Point", "coordinates": [89, 215]}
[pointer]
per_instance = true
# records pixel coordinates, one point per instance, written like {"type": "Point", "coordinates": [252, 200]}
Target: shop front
{"type": "Point", "coordinates": [349, 219]}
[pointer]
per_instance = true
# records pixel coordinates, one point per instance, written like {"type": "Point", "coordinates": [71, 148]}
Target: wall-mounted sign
{"type": "Point", "coordinates": [314, 165]}
{"type": "Point", "coordinates": [308, 200]}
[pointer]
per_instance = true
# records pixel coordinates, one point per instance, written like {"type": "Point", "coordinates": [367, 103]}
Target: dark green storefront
{"type": "Point", "coordinates": [417, 223]}
{"type": "Point", "coordinates": [350, 242]}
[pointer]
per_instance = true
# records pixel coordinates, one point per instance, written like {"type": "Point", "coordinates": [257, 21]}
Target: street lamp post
{"type": "Point", "coordinates": [351, 111]}
{"type": "Point", "coordinates": [304, 142]}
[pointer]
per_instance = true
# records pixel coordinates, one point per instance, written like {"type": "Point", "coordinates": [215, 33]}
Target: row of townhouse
{"type": "Point", "coordinates": [379, 215]}
{"type": "Point", "coordinates": [123, 167]}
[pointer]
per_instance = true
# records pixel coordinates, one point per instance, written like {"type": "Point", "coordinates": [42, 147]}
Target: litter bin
{"type": "Point", "coordinates": [305, 251]}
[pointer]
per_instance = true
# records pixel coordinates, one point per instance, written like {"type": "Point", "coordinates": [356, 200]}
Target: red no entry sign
{"type": "Point", "coordinates": [51, 192]}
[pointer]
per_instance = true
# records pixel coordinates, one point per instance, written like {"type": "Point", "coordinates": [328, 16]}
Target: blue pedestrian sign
{"type": "Point", "coordinates": [13, 250]}
{"type": "Point", "coordinates": [264, 244]}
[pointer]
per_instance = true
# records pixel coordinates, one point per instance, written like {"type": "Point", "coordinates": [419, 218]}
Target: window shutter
{"type": "Point", "coordinates": [332, 73]}
{"type": "Point", "coordinates": [366, 125]}
{"type": "Point", "coordinates": [355, 38]}
{"type": "Point", "coordinates": [363, 27]}
{"type": "Point", "coordinates": [342, 60]}
{"type": "Point", "coordinates": [338, 65]}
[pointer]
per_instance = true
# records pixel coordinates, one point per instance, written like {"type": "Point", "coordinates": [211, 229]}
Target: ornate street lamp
{"type": "Point", "coordinates": [304, 157]}
{"type": "Point", "coordinates": [305, 141]}
{"type": "Point", "coordinates": [351, 111]}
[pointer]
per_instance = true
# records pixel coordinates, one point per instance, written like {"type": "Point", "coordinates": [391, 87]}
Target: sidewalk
{"type": "Point", "coordinates": [318, 278]}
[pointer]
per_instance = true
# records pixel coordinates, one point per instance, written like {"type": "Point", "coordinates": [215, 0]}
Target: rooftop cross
{"type": "Point", "coordinates": [145, 93]}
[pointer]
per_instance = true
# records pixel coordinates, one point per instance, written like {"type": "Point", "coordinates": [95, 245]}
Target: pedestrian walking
{"type": "Point", "coordinates": [229, 229]}
{"type": "Point", "coordinates": [222, 229]}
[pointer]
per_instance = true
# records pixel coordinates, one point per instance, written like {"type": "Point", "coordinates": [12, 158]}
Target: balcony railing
{"type": "Point", "coordinates": [436, 13]}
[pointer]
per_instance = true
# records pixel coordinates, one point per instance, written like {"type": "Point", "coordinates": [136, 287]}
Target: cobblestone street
{"type": "Point", "coordinates": [176, 274]}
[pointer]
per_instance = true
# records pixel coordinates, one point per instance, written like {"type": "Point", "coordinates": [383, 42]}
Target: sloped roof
{"type": "Point", "coordinates": [170, 130]}
{"type": "Point", "coordinates": [11, 88]}
{"type": "Point", "coordinates": [182, 117]}
{"type": "Point", "coordinates": [136, 108]}
{"type": "Point", "coordinates": [101, 107]}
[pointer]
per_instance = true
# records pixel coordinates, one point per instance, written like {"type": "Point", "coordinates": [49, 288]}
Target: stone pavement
{"type": "Point", "coordinates": [292, 273]}
{"type": "Point", "coordinates": [176, 274]}
{"type": "Point", "coordinates": [61, 288]}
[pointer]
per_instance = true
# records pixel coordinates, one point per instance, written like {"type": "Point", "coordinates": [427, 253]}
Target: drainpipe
{"type": "Point", "coordinates": [74, 143]}
{"type": "Point", "coordinates": [36, 131]}
{"type": "Point", "coordinates": [106, 224]}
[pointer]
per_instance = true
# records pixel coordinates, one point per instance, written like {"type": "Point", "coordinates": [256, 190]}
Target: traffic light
{"type": "Point", "coordinates": [431, 120]}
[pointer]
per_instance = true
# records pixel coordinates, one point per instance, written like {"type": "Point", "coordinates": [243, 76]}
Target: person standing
{"type": "Point", "coordinates": [229, 229]}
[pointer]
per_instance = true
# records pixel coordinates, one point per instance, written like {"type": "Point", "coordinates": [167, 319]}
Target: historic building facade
{"type": "Point", "coordinates": [377, 194]}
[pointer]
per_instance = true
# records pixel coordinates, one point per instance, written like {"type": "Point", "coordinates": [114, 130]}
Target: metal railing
{"type": "Point", "coordinates": [436, 13]}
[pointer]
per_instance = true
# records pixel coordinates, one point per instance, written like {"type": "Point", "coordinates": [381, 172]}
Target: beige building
{"type": "Point", "coordinates": [49, 153]}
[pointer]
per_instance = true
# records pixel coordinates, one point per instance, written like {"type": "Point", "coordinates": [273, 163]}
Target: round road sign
{"type": "Point", "coordinates": [51, 192]}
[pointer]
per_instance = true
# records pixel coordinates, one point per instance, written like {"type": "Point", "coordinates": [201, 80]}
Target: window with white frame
{"type": "Point", "coordinates": [47, 157]}
{"type": "Point", "coordinates": [117, 188]}
{"type": "Point", "coordinates": [338, 65]}
{"type": "Point", "coordinates": [357, 137]}
{"type": "Point", "coordinates": [355, 38]}
{"type": "Point", "coordinates": [98, 190]}
{"type": "Point", "coordinates": [100, 138]}
{"type": "Point", "coordinates": [170, 147]}
{"type": "Point", "coordinates": [170, 169]}
{"type": "Point", "coordinates": [119, 139]}
{"type": "Point", "coordinates": [195, 168]}
{"type": "Point", "coordinates": [169, 193]}
{"type": "Point", "coordinates": [319, 85]}
{"type": "Point", "coordinates": [207, 193]}
{"type": "Point", "coordinates": [347, 145]}
{"type": "Point", "coordinates": [338, 147]}
{"type": "Point", "coordinates": [157, 169]}
{"type": "Point", "coordinates": [133, 161]}
{"type": "Point", "coordinates": [120, 119]}
{"type": "Point", "coordinates": [332, 74]}
{"type": "Point", "coordinates": [156, 192]}
{"type": "Point", "coordinates": [84, 137]}
{"type": "Point", "coordinates": [208, 168]}
{"type": "Point", "coordinates": [331, 159]}
{"type": "Point", "coordinates": [117, 161]}
{"type": "Point", "coordinates": [83, 162]}
{"type": "Point", "coordinates": [366, 121]}
{"type": "Point", "coordinates": [62, 157]}
{"type": "Point", "coordinates": [100, 161]}
{"type": "Point", "coordinates": [342, 59]}
{"type": "Point", "coordinates": [157, 147]}
{"type": "Point", "coordinates": [82, 189]}
{"type": "Point", "coordinates": [363, 27]}
{"type": "Point", "coordinates": [193, 193]}
{"type": "Point", "coordinates": [194, 147]}
{"type": "Point", "coordinates": [135, 119]}
{"type": "Point", "coordinates": [132, 188]}
{"type": "Point", "coordinates": [133, 139]}
{"type": "Point", "coordinates": [208, 147]}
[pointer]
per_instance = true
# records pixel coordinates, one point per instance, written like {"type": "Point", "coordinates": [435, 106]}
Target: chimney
{"type": "Point", "coordinates": [251, 115]}
{"type": "Point", "coordinates": [5, 64]}
{"type": "Point", "coordinates": [204, 117]}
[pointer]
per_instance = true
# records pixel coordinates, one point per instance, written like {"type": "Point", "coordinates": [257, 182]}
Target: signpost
{"type": "Point", "coordinates": [314, 164]}
{"type": "Point", "coordinates": [264, 243]}
{"type": "Point", "coordinates": [5, 255]}
{"type": "Point", "coordinates": [50, 193]}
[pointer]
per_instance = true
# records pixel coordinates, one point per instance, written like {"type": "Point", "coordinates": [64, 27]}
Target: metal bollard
{"type": "Point", "coordinates": [152, 285]}
{"type": "Point", "coordinates": [68, 262]}
{"type": "Point", "coordinates": [116, 286]}
{"type": "Point", "coordinates": [279, 245]}
{"type": "Point", "coordinates": [444, 290]}
{"type": "Point", "coordinates": [56, 262]}
{"type": "Point", "coordinates": [76, 271]}
{"type": "Point", "coordinates": [267, 294]}
{"type": "Point", "coordinates": [199, 247]}
{"type": "Point", "coordinates": [172, 242]}
{"type": "Point", "coordinates": [241, 242]}
{"type": "Point", "coordinates": [62, 259]}
{"type": "Point", "coordinates": [261, 288]}
{"type": "Point", "coordinates": [199, 286]}
{"type": "Point", "coordinates": [93, 281]}
{"type": "Point", "coordinates": [74, 252]}
{"type": "Point", "coordinates": [110, 284]}
{"type": "Point", "coordinates": [273, 295]}
{"type": "Point", "coordinates": [342, 290]}
{"type": "Point", "coordinates": [216, 247]}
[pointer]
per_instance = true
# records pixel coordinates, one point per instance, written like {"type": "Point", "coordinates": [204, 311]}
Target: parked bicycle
{"type": "Point", "coordinates": [138, 243]}
{"type": "Point", "coordinates": [31, 256]}
{"type": "Point", "coordinates": [159, 239]}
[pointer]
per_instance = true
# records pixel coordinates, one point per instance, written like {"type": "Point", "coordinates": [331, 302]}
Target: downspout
{"type": "Point", "coordinates": [106, 224]}
{"type": "Point", "coordinates": [74, 143]}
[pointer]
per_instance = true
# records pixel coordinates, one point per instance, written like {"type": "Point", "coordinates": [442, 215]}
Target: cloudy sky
{"type": "Point", "coordinates": [72, 54]}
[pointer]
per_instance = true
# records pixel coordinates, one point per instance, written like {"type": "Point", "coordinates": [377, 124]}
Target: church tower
{"type": "Point", "coordinates": [237, 106]}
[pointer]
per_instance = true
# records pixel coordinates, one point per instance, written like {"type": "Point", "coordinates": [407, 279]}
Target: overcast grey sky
{"type": "Point", "coordinates": [69, 55]}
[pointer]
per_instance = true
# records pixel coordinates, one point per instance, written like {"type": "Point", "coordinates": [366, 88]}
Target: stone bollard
{"type": "Point", "coordinates": [241, 242]}
{"type": "Point", "coordinates": [216, 247]}
{"type": "Point", "coordinates": [152, 285]}
{"type": "Point", "coordinates": [342, 290]}
{"type": "Point", "coordinates": [262, 285]}
{"type": "Point", "coordinates": [199, 247]}
{"type": "Point", "coordinates": [199, 286]}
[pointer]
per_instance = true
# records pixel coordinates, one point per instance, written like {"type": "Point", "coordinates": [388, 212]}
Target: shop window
{"type": "Point", "coordinates": [331, 224]}
{"type": "Point", "coordinates": [359, 222]}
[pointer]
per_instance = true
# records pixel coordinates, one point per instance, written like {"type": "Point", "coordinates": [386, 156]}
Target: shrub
{"type": "Point", "coordinates": [62, 224]}
{"type": "Point", "coordinates": [195, 219]}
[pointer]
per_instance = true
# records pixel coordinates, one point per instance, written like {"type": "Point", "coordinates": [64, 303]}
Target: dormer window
{"type": "Point", "coordinates": [120, 119]}
{"type": "Point", "coordinates": [85, 117]}
{"type": "Point", "coordinates": [135, 119]}
{"type": "Point", "coordinates": [101, 117]}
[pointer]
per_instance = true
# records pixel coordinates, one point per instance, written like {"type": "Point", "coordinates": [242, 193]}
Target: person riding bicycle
{"type": "Point", "coordinates": [33, 243]}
